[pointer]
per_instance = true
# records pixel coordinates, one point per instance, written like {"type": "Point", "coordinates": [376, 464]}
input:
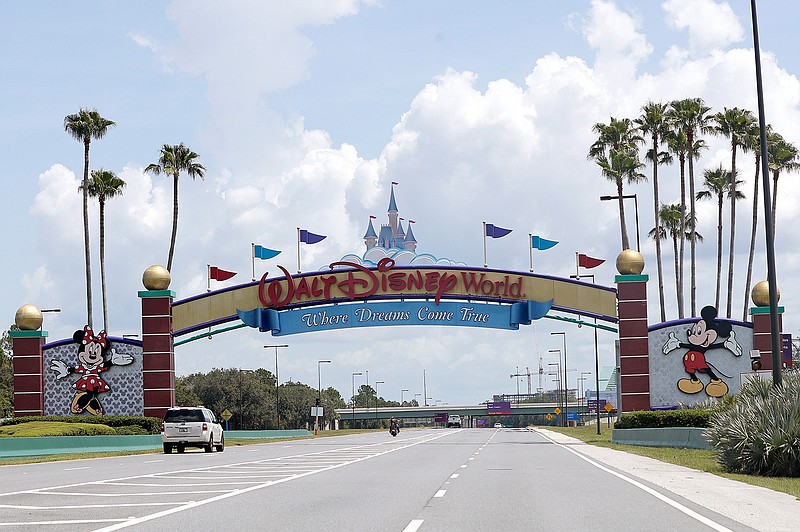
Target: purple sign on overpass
{"type": "Point", "coordinates": [498, 408]}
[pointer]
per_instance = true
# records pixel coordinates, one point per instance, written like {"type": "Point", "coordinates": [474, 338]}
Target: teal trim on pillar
{"type": "Point", "coordinates": [27, 334]}
{"type": "Point", "coordinates": [156, 293]}
{"type": "Point", "coordinates": [631, 278]}
{"type": "Point", "coordinates": [763, 310]}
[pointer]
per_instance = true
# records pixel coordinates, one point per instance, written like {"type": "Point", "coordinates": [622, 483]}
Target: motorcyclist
{"type": "Point", "coordinates": [394, 425]}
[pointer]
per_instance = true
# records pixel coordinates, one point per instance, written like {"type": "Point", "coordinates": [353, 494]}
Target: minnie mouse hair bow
{"type": "Point", "coordinates": [89, 337]}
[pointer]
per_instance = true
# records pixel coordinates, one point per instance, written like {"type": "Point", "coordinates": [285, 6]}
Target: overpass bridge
{"type": "Point", "coordinates": [417, 412]}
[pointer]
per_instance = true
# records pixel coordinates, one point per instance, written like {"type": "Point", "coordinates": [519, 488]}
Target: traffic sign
{"type": "Point", "coordinates": [557, 411]}
{"type": "Point", "coordinates": [608, 407]}
{"type": "Point", "coordinates": [549, 417]}
{"type": "Point", "coordinates": [226, 414]}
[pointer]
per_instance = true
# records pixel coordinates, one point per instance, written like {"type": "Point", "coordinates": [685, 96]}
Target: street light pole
{"type": "Point", "coordinates": [558, 374]}
{"type": "Point", "coordinates": [401, 397]}
{"type": "Point", "coordinates": [635, 206]}
{"type": "Point", "coordinates": [319, 393]}
{"type": "Point", "coordinates": [415, 396]}
{"type": "Point", "coordinates": [277, 381]}
{"type": "Point", "coordinates": [352, 419]}
{"type": "Point", "coordinates": [376, 397]}
{"type": "Point", "coordinates": [566, 382]}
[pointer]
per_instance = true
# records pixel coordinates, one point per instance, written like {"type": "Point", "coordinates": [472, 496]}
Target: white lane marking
{"type": "Point", "coordinates": [153, 461]}
{"type": "Point", "coordinates": [471, 458]}
{"type": "Point", "coordinates": [454, 475]}
{"type": "Point", "coordinates": [663, 498]}
{"type": "Point", "coordinates": [464, 466]}
{"type": "Point", "coordinates": [230, 494]}
{"type": "Point", "coordinates": [84, 506]}
{"type": "Point", "coordinates": [64, 522]}
{"type": "Point", "coordinates": [440, 493]}
{"type": "Point", "coordinates": [413, 526]}
{"type": "Point", "coordinates": [75, 468]}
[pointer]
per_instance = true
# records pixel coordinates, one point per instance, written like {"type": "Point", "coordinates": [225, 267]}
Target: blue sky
{"type": "Point", "coordinates": [304, 114]}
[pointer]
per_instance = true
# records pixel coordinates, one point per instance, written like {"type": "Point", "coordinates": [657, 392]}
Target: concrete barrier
{"type": "Point", "coordinates": [681, 437]}
{"type": "Point", "coordinates": [46, 445]}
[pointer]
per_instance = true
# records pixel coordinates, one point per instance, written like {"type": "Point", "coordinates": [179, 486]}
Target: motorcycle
{"type": "Point", "coordinates": [394, 430]}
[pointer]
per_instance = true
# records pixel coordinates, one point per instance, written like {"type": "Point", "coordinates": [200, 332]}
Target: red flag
{"type": "Point", "coordinates": [373, 217]}
{"type": "Point", "coordinates": [394, 182]}
{"type": "Point", "coordinates": [585, 261]}
{"type": "Point", "coordinates": [219, 274]}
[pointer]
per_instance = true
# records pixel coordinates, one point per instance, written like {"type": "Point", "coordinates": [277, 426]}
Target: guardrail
{"type": "Point", "coordinates": [47, 445]}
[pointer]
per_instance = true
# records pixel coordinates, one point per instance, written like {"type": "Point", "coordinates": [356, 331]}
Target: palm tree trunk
{"type": "Point", "coordinates": [682, 236]}
{"type": "Point", "coordinates": [775, 174]}
{"type": "Point", "coordinates": [732, 192]}
{"type": "Point", "coordinates": [675, 253]}
{"type": "Point", "coordinates": [103, 261]}
{"type": "Point", "coordinates": [752, 240]}
{"type": "Point", "coordinates": [692, 219]}
{"type": "Point", "coordinates": [174, 221]}
{"type": "Point", "coordinates": [622, 225]}
{"type": "Point", "coordinates": [719, 248]}
{"type": "Point", "coordinates": [656, 207]}
{"type": "Point", "coordinates": [87, 255]}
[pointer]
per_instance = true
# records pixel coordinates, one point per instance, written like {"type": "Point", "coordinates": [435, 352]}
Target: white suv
{"type": "Point", "coordinates": [192, 426]}
{"type": "Point", "coordinates": [454, 420]}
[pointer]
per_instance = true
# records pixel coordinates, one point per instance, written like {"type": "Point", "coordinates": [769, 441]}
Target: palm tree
{"type": "Point", "coordinates": [735, 124]}
{"type": "Point", "coordinates": [718, 183]}
{"type": "Point", "coordinates": [104, 185]}
{"type": "Point", "coordinates": [172, 161]}
{"type": "Point", "coordinates": [676, 145]}
{"type": "Point", "coordinates": [615, 152]}
{"type": "Point", "coordinates": [85, 125]}
{"type": "Point", "coordinates": [653, 122]}
{"type": "Point", "coordinates": [753, 139]}
{"type": "Point", "coordinates": [673, 223]}
{"type": "Point", "coordinates": [783, 156]}
{"type": "Point", "coordinates": [691, 115]}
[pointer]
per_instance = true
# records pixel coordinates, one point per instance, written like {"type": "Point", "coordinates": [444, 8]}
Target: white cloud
{"type": "Point", "coordinates": [710, 24]}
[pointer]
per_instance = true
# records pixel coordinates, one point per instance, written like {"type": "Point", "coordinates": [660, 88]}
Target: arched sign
{"type": "Point", "coordinates": [350, 295]}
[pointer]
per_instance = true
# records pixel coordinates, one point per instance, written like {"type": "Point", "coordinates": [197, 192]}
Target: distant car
{"type": "Point", "coordinates": [498, 425]}
{"type": "Point", "coordinates": [191, 426]}
{"type": "Point", "coordinates": [454, 420]}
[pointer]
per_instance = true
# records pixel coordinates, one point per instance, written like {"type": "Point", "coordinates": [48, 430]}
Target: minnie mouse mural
{"type": "Point", "coordinates": [94, 357]}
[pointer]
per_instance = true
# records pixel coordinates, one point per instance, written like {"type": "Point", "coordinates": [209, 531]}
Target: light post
{"type": "Point", "coordinates": [352, 419]}
{"type": "Point", "coordinates": [401, 397]}
{"type": "Point", "coordinates": [415, 397]}
{"type": "Point", "coordinates": [566, 382]}
{"type": "Point", "coordinates": [582, 378]}
{"type": "Point", "coordinates": [558, 376]}
{"type": "Point", "coordinates": [47, 310]}
{"type": "Point", "coordinates": [636, 207]}
{"type": "Point", "coordinates": [376, 397]}
{"type": "Point", "coordinates": [277, 381]}
{"type": "Point", "coordinates": [319, 393]}
{"type": "Point", "coordinates": [596, 365]}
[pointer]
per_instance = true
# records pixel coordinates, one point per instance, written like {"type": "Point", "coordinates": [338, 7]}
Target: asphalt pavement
{"type": "Point", "coordinates": [753, 506]}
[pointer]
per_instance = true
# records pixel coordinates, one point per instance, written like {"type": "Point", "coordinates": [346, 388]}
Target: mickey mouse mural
{"type": "Point", "coordinates": [94, 357]}
{"type": "Point", "coordinates": [701, 338]}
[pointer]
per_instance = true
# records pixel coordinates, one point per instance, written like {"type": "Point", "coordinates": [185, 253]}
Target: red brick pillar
{"type": "Point", "coordinates": [158, 355]}
{"type": "Point", "coordinates": [634, 359]}
{"type": "Point", "coordinates": [762, 338]}
{"type": "Point", "coordinates": [28, 376]}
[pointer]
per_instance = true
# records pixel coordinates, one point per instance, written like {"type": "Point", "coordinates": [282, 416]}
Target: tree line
{"type": "Point", "coordinates": [675, 133]}
{"type": "Point", "coordinates": [87, 125]}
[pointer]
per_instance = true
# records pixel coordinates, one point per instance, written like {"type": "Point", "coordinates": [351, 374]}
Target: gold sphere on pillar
{"type": "Point", "coordinates": [630, 262]}
{"type": "Point", "coordinates": [28, 317]}
{"type": "Point", "coordinates": [760, 294]}
{"type": "Point", "coordinates": [156, 277]}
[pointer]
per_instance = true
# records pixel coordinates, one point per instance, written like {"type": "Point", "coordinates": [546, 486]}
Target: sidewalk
{"type": "Point", "coordinates": [753, 506]}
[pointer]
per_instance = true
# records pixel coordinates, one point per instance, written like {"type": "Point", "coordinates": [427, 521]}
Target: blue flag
{"type": "Point", "coordinates": [495, 231]}
{"type": "Point", "coordinates": [261, 252]}
{"type": "Point", "coordinates": [310, 238]}
{"type": "Point", "coordinates": [540, 243]}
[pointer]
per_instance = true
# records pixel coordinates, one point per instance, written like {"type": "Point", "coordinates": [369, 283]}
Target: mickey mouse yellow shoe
{"type": "Point", "coordinates": [716, 388]}
{"type": "Point", "coordinates": [690, 386]}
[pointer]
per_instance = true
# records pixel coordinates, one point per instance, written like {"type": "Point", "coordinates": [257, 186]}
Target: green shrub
{"type": "Point", "coordinates": [54, 428]}
{"type": "Point", "coordinates": [150, 425]}
{"type": "Point", "coordinates": [760, 433]}
{"type": "Point", "coordinates": [646, 419]}
{"type": "Point", "coordinates": [131, 430]}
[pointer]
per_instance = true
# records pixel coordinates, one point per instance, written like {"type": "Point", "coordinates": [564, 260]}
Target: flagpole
{"type": "Point", "coordinates": [530, 249]}
{"type": "Point", "coordinates": [577, 265]}
{"type": "Point", "coordinates": [253, 258]}
{"type": "Point", "coordinates": [208, 277]}
{"type": "Point", "coordinates": [298, 250]}
{"type": "Point", "coordinates": [485, 264]}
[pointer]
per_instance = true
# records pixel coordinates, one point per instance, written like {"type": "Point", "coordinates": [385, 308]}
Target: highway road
{"type": "Point", "coordinates": [426, 480]}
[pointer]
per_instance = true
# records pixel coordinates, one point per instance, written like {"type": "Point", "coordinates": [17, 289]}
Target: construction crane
{"type": "Point", "coordinates": [541, 375]}
{"type": "Point", "coordinates": [526, 374]}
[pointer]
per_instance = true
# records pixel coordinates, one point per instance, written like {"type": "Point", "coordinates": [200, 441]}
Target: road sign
{"type": "Point", "coordinates": [608, 407]}
{"type": "Point", "coordinates": [557, 411]}
{"type": "Point", "coordinates": [226, 414]}
{"type": "Point", "coordinates": [549, 417]}
{"type": "Point", "coordinates": [441, 417]}
{"type": "Point", "coordinates": [317, 411]}
{"type": "Point", "coordinates": [572, 416]}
